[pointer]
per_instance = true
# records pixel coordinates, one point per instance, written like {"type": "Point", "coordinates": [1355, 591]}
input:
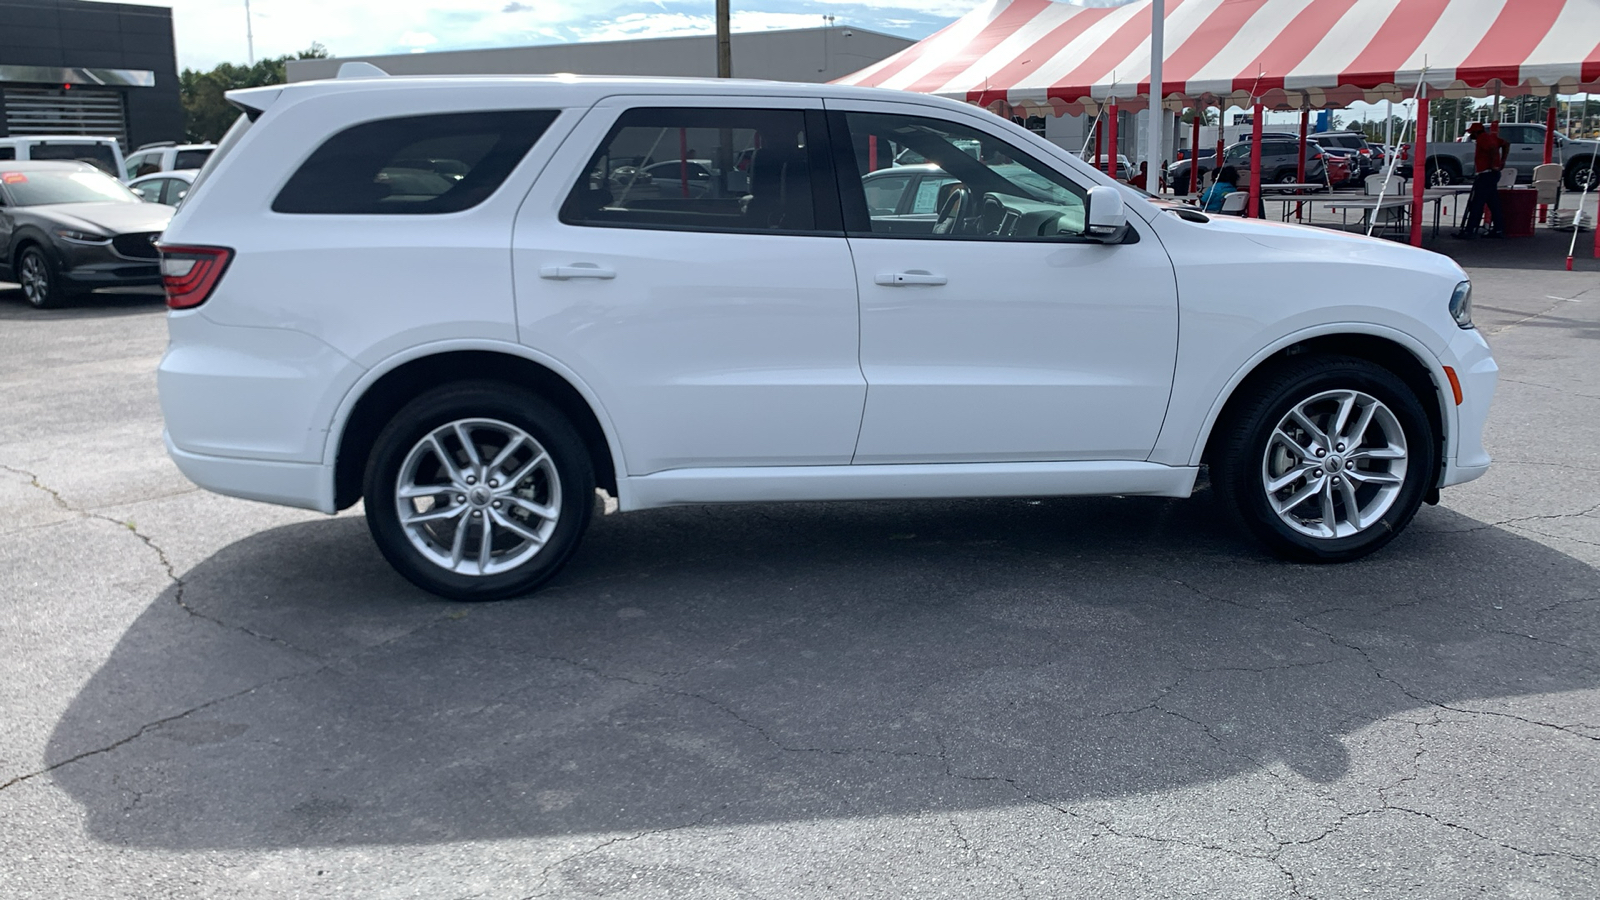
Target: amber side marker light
{"type": "Point", "coordinates": [190, 274]}
{"type": "Point", "coordinates": [1455, 383]}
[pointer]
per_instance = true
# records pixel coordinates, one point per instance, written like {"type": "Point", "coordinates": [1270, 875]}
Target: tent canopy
{"type": "Point", "coordinates": [1045, 57]}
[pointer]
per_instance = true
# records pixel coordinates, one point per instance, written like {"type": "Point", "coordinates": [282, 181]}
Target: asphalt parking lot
{"type": "Point", "coordinates": [207, 697]}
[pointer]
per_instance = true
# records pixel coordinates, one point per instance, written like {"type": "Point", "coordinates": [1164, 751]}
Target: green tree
{"type": "Point", "coordinates": [206, 112]}
{"type": "Point", "coordinates": [1208, 116]}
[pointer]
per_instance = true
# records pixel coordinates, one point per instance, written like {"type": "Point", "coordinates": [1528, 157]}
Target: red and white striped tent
{"type": "Point", "coordinates": [1058, 58]}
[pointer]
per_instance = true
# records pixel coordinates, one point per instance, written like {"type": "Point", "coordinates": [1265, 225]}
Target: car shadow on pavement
{"type": "Point", "coordinates": [715, 666]}
{"type": "Point", "coordinates": [100, 304]}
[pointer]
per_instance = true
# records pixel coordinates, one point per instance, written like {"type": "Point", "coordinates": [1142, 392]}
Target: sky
{"type": "Point", "coordinates": [213, 31]}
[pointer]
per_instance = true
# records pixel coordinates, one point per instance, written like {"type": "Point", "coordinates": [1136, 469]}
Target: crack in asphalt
{"type": "Point", "coordinates": [1538, 315]}
{"type": "Point", "coordinates": [145, 729]}
{"type": "Point", "coordinates": [1427, 701]}
{"type": "Point", "coordinates": [179, 586]}
{"type": "Point", "coordinates": [544, 875]}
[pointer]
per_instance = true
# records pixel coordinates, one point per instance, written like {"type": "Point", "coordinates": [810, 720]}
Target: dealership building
{"type": "Point", "coordinates": [73, 67]}
{"type": "Point", "coordinates": [800, 54]}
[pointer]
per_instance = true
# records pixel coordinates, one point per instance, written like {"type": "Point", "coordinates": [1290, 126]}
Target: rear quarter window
{"type": "Point", "coordinates": [413, 165]}
{"type": "Point", "coordinates": [191, 159]}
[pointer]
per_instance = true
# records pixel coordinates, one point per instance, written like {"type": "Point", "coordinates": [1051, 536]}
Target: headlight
{"type": "Point", "coordinates": [83, 237]}
{"type": "Point", "coordinates": [1461, 304]}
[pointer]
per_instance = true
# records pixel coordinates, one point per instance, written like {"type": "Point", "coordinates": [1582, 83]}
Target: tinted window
{"type": "Point", "coordinates": [8, 153]}
{"type": "Point", "coordinates": [417, 164]}
{"type": "Point", "coordinates": [97, 155]}
{"type": "Point", "coordinates": [986, 189]}
{"type": "Point", "coordinates": [712, 169]}
{"type": "Point", "coordinates": [191, 159]}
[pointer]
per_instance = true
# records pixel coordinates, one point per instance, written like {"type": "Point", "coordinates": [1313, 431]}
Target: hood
{"type": "Point", "coordinates": [1323, 245]}
{"type": "Point", "coordinates": [112, 218]}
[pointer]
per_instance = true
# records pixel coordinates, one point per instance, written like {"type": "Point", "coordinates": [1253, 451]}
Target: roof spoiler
{"type": "Point", "coordinates": [360, 70]}
{"type": "Point", "coordinates": [253, 101]}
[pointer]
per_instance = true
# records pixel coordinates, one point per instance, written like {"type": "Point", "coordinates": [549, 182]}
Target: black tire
{"type": "Point", "coordinates": [1576, 172]}
{"type": "Point", "coordinates": [1243, 454]}
{"type": "Point", "coordinates": [1287, 176]}
{"type": "Point", "coordinates": [1442, 175]}
{"type": "Point", "coordinates": [564, 483]}
{"type": "Point", "coordinates": [41, 279]}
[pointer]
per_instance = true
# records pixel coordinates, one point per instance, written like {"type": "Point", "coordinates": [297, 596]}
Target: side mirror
{"type": "Point", "coordinates": [1106, 219]}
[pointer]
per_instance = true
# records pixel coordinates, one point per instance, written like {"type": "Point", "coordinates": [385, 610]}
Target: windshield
{"type": "Point", "coordinates": [37, 188]}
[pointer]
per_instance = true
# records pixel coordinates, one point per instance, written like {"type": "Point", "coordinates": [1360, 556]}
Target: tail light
{"type": "Point", "coordinates": [189, 274]}
{"type": "Point", "coordinates": [1366, 151]}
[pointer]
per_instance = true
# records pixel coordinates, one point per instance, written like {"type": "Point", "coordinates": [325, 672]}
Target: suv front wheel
{"type": "Point", "coordinates": [478, 491]}
{"type": "Point", "coordinates": [1327, 460]}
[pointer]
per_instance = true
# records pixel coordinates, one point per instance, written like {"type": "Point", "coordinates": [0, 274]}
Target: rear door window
{"type": "Point", "coordinates": [413, 165]}
{"type": "Point", "coordinates": [701, 169]}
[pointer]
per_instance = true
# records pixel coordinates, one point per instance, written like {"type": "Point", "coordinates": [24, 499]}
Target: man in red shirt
{"type": "Point", "coordinates": [1489, 158]}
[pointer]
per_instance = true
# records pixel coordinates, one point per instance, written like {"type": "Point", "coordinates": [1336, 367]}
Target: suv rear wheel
{"type": "Point", "coordinates": [478, 491]}
{"type": "Point", "coordinates": [1327, 460]}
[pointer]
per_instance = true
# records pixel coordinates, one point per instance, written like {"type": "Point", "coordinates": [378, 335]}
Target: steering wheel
{"type": "Point", "coordinates": [952, 210]}
{"type": "Point", "coordinates": [991, 215]}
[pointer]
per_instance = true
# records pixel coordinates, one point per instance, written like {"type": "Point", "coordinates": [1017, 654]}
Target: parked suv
{"type": "Point", "coordinates": [1278, 163]}
{"type": "Point", "coordinates": [166, 156]}
{"type": "Point", "coordinates": [473, 355]}
{"type": "Point", "coordinates": [1353, 141]}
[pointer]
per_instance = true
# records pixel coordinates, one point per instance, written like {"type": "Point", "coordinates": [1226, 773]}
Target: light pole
{"type": "Point", "coordinates": [249, 35]}
{"type": "Point", "coordinates": [1158, 27]}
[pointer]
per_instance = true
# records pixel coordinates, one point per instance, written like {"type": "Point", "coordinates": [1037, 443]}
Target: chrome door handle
{"type": "Point", "coordinates": [576, 270]}
{"type": "Point", "coordinates": [916, 276]}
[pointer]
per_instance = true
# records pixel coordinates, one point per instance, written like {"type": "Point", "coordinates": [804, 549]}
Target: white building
{"type": "Point", "coordinates": [804, 54]}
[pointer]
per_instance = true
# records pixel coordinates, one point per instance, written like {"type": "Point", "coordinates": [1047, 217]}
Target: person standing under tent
{"type": "Point", "coordinates": [1488, 159]}
{"type": "Point", "coordinates": [1143, 178]}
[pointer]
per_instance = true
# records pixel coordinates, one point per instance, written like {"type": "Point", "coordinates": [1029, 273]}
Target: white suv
{"type": "Point", "coordinates": [166, 156]}
{"type": "Point", "coordinates": [471, 301]}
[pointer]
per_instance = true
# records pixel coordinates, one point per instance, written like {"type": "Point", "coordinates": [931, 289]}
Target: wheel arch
{"type": "Point", "coordinates": [376, 400]}
{"type": "Point", "coordinates": [1398, 353]}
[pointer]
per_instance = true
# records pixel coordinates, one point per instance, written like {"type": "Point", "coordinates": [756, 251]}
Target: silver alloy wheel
{"type": "Point", "coordinates": [478, 496]}
{"type": "Point", "coordinates": [35, 278]}
{"type": "Point", "coordinates": [1334, 464]}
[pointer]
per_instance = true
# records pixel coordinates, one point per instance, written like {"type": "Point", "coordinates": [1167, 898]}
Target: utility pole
{"type": "Point", "coordinates": [249, 34]}
{"type": "Point", "coordinates": [724, 42]}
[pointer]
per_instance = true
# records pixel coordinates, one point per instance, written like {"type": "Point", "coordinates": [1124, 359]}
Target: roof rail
{"type": "Point", "coordinates": [360, 70]}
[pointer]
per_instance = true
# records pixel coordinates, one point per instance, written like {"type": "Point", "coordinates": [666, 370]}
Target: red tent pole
{"type": "Point", "coordinates": [1419, 170]}
{"type": "Point", "coordinates": [1549, 147]}
{"type": "Point", "coordinates": [1216, 163]}
{"type": "Point", "coordinates": [1194, 150]}
{"type": "Point", "coordinates": [1099, 145]}
{"type": "Point", "coordinates": [1305, 121]}
{"type": "Point", "coordinates": [1259, 113]}
{"type": "Point", "coordinates": [1111, 141]}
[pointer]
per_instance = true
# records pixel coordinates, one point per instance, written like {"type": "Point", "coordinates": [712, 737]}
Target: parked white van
{"type": "Point", "coordinates": [104, 153]}
{"type": "Point", "coordinates": [471, 301]}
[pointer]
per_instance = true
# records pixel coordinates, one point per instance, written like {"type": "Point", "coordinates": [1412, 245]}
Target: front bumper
{"type": "Point", "coordinates": [1475, 368]}
{"type": "Point", "coordinates": [89, 266]}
